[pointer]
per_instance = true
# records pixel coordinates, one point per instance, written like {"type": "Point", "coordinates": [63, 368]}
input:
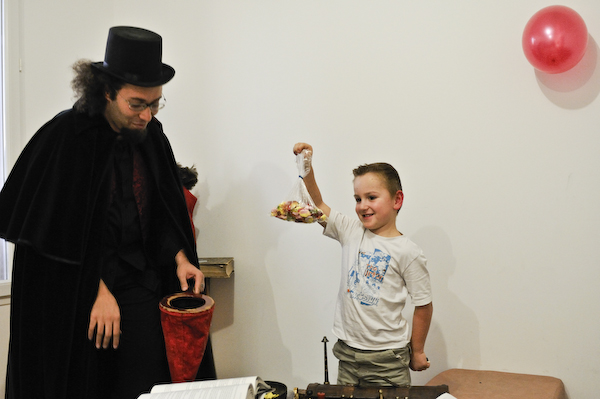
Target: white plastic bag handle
{"type": "Point", "coordinates": [304, 160]}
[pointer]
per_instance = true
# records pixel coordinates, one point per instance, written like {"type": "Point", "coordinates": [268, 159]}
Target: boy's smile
{"type": "Point", "coordinates": [375, 207]}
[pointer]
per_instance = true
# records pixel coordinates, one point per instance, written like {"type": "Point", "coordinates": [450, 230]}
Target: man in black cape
{"type": "Point", "coordinates": [97, 213]}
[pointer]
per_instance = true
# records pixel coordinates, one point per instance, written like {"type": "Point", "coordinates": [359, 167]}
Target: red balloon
{"type": "Point", "coordinates": [555, 39]}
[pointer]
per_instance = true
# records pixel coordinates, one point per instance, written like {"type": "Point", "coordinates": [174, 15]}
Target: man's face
{"type": "Point", "coordinates": [119, 114]}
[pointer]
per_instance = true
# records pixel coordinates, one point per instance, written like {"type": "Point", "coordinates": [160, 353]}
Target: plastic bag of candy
{"type": "Point", "coordinates": [299, 206]}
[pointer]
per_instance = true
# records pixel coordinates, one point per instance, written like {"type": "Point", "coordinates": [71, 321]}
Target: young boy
{"type": "Point", "coordinates": [380, 267]}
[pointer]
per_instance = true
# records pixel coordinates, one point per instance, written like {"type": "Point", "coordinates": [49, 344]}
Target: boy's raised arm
{"type": "Point", "coordinates": [311, 183]}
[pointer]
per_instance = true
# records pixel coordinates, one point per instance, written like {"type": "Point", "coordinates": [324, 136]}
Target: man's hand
{"type": "Point", "coordinates": [187, 271]}
{"type": "Point", "coordinates": [105, 319]}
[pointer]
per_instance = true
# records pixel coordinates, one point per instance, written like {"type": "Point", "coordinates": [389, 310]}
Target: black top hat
{"type": "Point", "coordinates": [134, 55]}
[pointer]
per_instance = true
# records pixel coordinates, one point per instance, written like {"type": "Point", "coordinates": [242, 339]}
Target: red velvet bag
{"type": "Point", "coordinates": [185, 319]}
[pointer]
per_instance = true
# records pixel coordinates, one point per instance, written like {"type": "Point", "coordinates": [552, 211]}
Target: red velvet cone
{"type": "Point", "coordinates": [185, 319]}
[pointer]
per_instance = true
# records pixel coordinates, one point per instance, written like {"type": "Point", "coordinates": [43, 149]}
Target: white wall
{"type": "Point", "coordinates": [499, 165]}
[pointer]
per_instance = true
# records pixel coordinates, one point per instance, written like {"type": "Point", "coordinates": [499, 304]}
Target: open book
{"type": "Point", "coordinates": [228, 388]}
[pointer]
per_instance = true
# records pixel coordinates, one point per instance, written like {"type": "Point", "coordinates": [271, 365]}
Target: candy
{"type": "Point", "coordinates": [293, 211]}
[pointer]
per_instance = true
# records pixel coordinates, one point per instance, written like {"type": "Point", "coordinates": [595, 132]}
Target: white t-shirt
{"type": "Point", "coordinates": [378, 273]}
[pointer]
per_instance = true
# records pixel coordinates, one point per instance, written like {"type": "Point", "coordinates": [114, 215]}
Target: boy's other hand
{"type": "Point", "coordinates": [419, 362]}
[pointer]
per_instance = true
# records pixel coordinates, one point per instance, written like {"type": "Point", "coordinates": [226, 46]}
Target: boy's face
{"type": "Point", "coordinates": [375, 207]}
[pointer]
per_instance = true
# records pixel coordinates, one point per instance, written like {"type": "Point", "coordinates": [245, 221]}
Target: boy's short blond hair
{"type": "Point", "coordinates": [386, 171]}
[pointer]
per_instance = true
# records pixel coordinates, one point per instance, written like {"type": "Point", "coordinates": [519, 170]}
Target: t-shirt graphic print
{"type": "Point", "coordinates": [366, 276]}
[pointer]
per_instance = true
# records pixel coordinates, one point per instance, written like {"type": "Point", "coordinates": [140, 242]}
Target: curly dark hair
{"type": "Point", "coordinates": [189, 176]}
{"type": "Point", "coordinates": [90, 86]}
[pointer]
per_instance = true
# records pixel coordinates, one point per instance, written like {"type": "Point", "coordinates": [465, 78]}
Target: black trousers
{"type": "Point", "coordinates": [140, 361]}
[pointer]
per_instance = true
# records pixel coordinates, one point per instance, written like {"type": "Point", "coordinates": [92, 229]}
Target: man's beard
{"type": "Point", "coordinates": [134, 136]}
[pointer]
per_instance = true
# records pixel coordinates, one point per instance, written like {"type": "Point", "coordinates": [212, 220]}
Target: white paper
{"type": "Point", "coordinates": [228, 388]}
{"type": "Point", "coordinates": [446, 396]}
{"type": "Point", "coordinates": [184, 386]}
{"type": "Point", "coordinates": [223, 392]}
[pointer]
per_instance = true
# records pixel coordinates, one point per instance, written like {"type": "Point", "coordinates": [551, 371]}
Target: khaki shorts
{"type": "Point", "coordinates": [367, 368]}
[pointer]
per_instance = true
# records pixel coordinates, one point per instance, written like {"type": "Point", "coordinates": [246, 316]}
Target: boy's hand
{"type": "Point", "coordinates": [421, 323]}
{"type": "Point", "coordinates": [299, 147]}
{"type": "Point", "coordinates": [419, 362]}
{"type": "Point", "coordinates": [311, 184]}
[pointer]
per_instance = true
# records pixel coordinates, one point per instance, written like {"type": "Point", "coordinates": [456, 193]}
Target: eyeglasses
{"type": "Point", "coordinates": [141, 106]}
